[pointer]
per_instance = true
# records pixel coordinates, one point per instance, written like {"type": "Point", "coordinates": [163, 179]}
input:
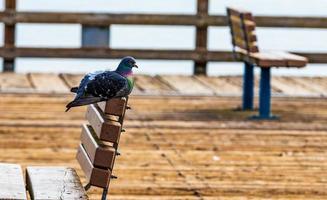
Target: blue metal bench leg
{"type": "Point", "coordinates": [265, 96]}
{"type": "Point", "coordinates": [248, 83]}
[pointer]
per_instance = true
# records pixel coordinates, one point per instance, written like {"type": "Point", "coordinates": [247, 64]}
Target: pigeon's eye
{"type": "Point", "coordinates": [131, 63]}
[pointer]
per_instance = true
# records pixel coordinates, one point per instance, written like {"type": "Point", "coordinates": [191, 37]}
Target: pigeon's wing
{"type": "Point", "coordinates": [81, 91]}
{"type": "Point", "coordinates": [82, 98]}
{"type": "Point", "coordinates": [107, 85]}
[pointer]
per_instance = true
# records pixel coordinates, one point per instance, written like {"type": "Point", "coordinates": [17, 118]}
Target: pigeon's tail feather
{"type": "Point", "coordinates": [83, 101]}
{"type": "Point", "coordinates": [74, 89]}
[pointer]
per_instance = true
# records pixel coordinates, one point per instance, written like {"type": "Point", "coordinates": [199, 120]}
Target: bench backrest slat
{"type": "Point", "coordinates": [242, 27]}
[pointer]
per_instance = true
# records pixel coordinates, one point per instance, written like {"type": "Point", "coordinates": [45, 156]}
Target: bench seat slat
{"type": "Point", "coordinates": [12, 182]}
{"type": "Point", "coordinates": [292, 59]}
{"type": "Point", "coordinates": [268, 59]}
{"type": "Point", "coordinates": [50, 183]}
{"type": "Point", "coordinates": [274, 59]}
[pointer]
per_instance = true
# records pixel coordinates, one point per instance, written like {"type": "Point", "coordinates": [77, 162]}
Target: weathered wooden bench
{"type": "Point", "coordinates": [96, 155]}
{"type": "Point", "coordinates": [245, 48]}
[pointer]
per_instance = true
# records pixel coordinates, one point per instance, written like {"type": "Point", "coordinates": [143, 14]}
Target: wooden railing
{"type": "Point", "coordinates": [200, 55]}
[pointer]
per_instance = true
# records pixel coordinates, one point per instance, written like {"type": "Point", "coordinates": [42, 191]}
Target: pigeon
{"type": "Point", "coordinates": [104, 85]}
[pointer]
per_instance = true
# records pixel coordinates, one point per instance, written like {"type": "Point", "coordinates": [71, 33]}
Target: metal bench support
{"type": "Point", "coordinates": [248, 85]}
{"type": "Point", "coordinates": [265, 96]}
{"type": "Point", "coordinates": [104, 194]}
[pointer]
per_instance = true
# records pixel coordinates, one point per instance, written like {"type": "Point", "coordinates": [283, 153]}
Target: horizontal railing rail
{"type": "Point", "coordinates": [151, 54]}
{"type": "Point", "coordinates": [104, 19]}
{"type": "Point", "coordinates": [200, 55]}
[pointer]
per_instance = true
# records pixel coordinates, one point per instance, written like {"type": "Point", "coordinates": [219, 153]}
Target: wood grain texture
{"type": "Point", "coordinates": [267, 59]}
{"type": "Point", "coordinates": [103, 19]}
{"type": "Point", "coordinates": [13, 81]}
{"type": "Point", "coordinates": [114, 106]}
{"type": "Point", "coordinates": [104, 128]}
{"type": "Point", "coordinates": [186, 85]}
{"type": "Point", "coordinates": [109, 53]}
{"type": "Point", "coordinates": [292, 59]}
{"type": "Point", "coordinates": [95, 176]}
{"type": "Point", "coordinates": [12, 182]}
{"type": "Point", "coordinates": [153, 85]}
{"type": "Point", "coordinates": [100, 154]}
{"type": "Point", "coordinates": [183, 147]}
{"type": "Point", "coordinates": [48, 82]}
{"type": "Point", "coordinates": [71, 80]}
{"type": "Point", "coordinates": [51, 183]}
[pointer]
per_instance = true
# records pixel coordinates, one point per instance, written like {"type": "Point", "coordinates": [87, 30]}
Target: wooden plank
{"type": "Point", "coordinates": [183, 146]}
{"type": "Point", "coordinates": [246, 25]}
{"type": "Point", "coordinates": [239, 33]}
{"type": "Point", "coordinates": [102, 19]}
{"type": "Point", "coordinates": [12, 182]}
{"type": "Point", "coordinates": [48, 83]}
{"type": "Point", "coordinates": [186, 85]}
{"type": "Point", "coordinates": [153, 85]}
{"type": "Point", "coordinates": [114, 106]}
{"type": "Point", "coordinates": [316, 84]}
{"type": "Point", "coordinates": [95, 176]}
{"type": "Point", "coordinates": [105, 129]}
{"type": "Point", "coordinates": [292, 59]}
{"type": "Point", "coordinates": [220, 85]}
{"type": "Point", "coordinates": [15, 82]}
{"type": "Point", "coordinates": [106, 53]}
{"type": "Point", "coordinates": [248, 46]}
{"type": "Point", "coordinates": [289, 86]}
{"type": "Point", "coordinates": [220, 56]}
{"type": "Point", "coordinates": [72, 80]}
{"type": "Point", "coordinates": [268, 59]}
{"type": "Point", "coordinates": [100, 154]}
{"type": "Point", "coordinates": [236, 12]}
{"type": "Point", "coordinates": [50, 183]}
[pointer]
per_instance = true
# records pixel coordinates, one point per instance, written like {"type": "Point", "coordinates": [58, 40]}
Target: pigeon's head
{"type": "Point", "coordinates": [126, 65]}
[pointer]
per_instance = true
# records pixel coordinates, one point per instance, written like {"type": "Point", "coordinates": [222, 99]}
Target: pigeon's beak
{"type": "Point", "coordinates": [135, 66]}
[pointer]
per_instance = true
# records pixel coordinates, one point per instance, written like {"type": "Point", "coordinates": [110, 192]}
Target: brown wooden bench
{"type": "Point", "coordinates": [246, 49]}
{"type": "Point", "coordinates": [96, 155]}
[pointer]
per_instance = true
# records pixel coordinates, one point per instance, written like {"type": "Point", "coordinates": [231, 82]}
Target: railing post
{"type": "Point", "coordinates": [95, 36]}
{"type": "Point", "coordinates": [200, 67]}
{"type": "Point", "coordinates": [9, 37]}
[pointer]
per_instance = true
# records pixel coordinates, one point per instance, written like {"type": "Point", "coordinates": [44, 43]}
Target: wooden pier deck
{"type": "Point", "coordinates": [167, 85]}
{"type": "Point", "coordinates": [179, 146]}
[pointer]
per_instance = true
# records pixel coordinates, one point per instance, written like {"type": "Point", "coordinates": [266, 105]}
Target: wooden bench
{"type": "Point", "coordinates": [12, 182]}
{"type": "Point", "coordinates": [96, 155]}
{"type": "Point", "coordinates": [245, 48]}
